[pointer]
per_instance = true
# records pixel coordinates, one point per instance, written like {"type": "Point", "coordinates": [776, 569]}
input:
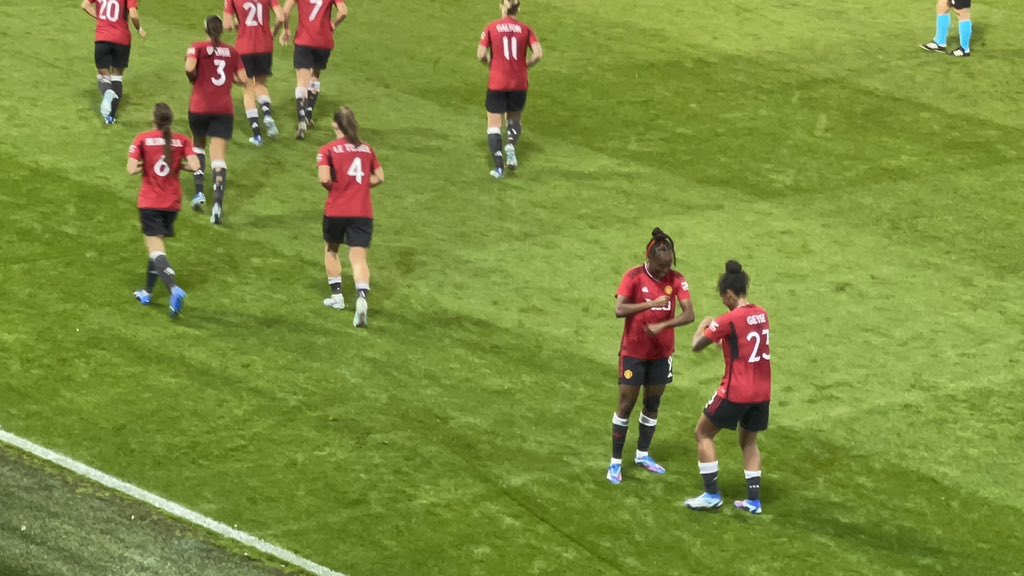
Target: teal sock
{"type": "Point", "coordinates": [942, 29]}
{"type": "Point", "coordinates": [966, 28]}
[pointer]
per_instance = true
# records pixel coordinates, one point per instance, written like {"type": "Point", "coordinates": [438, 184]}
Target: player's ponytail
{"type": "Point", "coordinates": [661, 240]}
{"type": "Point", "coordinates": [345, 120]}
{"type": "Point", "coordinates": [734, 279]}
{"type": "Point", "coordinates": [163, 117]}
{"type": "Point", "coordinates": [214, 29]}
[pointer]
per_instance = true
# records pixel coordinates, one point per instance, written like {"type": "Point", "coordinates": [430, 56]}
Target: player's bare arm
{"type": "Point", "coordinates": [377, 178]}
{"type": "Point", "coordinates": [241, 78]}
{"type": "Point", "coordinates": [625, 308]}
{"type": "Point", "coordinates": [483, 54]}
{"type": "Point", "coordinates": [135, 167]}
{"type": "Point", "coordinates": [325, 177]}
{"type": "Point", "coordinates": [279, 22]}
{"type": "Point", "coordinates": [342, 14]}
{"type": "Point", "coordinates": [190, 68]}
{"type": "Point", "coordinates": [536, 53]}
{"type": "Point", "coordinates": [190, 163]}
{"type": "Point", "coordinates": [89, 9]}
{"type": "Point", "coordinates": [133, 13]}
{"type": "Point", "coordinates": [700, 341]}
{"type": "Point", "coordinates": [685, 317]}
{"type": "Point", "coordinates": [229, 20]}
{"type": "Point", "coordinates": [286, 36]}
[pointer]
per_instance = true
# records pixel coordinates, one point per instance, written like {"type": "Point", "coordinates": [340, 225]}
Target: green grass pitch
{"type": "Point", "coordinates": [873, 191]}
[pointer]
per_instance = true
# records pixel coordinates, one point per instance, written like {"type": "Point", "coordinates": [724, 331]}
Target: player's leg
{"type": "Point", "coordinates": [252, 113]}
{"type": "Point", "coordinates": [162, 226]}
{"type": "Point", "coordinates": [361, 275]}
{"type": "Point", "coordinates": [753, 421]}
{"type": "Point", "coordinates": [219, 164]}
{"type": "Point", "coordinates": [966, 29]}
{"type": "Point", "coordinates": [751, 471]}
{"type": "Point", "coordinates": [117, 82]}
{"type": "Point", "coordinates": [517, 103]}
{"type": "Point", "coordinates": [198, 127]}
{"type": "Point", "coordinates": [104, 57]}
{"type": "Point", "coordinates": [496, 107]}
{"type": "Point", "coordinates": [314, 92]}
{"type": "Point", "coordinates": [263, 99]}
{"type": "Point", "coordinates": [648, 424]}
{"type": "Point", "coordinates": [707, 462]}
{"type": "Point", "coordinates": [332, 264]}
{"type": "Point", "coordinates": [631, 377]}
{"type": "Point", "coordinates": [942, 20]}
{"type": "Point", "coordinates": [302, 76]}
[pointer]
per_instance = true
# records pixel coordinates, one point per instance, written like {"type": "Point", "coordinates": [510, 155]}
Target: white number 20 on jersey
{"type": "Point", "coordinates": [356, 170]}
{"type": "Point", "coordinates": [110, 10]}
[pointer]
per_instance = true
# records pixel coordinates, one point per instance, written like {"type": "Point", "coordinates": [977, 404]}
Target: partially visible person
{"type": "Point", "coordinates": [962, 8]}
{"type": "Point", "coordinates": [314, 41]}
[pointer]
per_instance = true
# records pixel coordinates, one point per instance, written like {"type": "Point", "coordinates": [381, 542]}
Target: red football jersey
{"type": "Point", "coordinates": [351, 167]}
{"type": "Point", "coordinates": [508, 39]}
{"type": "Point", "coordinates": [112, 21]}
{"type": "Point", "coordinates": [254, 33]}
{"type": "Point", "coordinates": [215, 73]}
{"type": "Point", "coordinates": [161, 189]}
{"type": "Point", "coordinates": [639, 286]}
{"type": "Point", "coordinates": [744, 334]}
{"type": "Point", "coordinates": [315, 25]}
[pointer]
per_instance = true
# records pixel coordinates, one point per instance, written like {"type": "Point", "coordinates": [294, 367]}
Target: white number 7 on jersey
{"type": "Point", "coordinates": [317, 6]}
{"type": "Point", "coordinates": [355, 170]}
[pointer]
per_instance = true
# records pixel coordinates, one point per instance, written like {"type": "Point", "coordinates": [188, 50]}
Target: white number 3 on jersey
{"type": "Point", "coordinates": [356, 170]}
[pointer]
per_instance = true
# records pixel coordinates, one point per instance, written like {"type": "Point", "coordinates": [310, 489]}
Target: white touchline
{"type": "Point", "coordinates": [165, 505]}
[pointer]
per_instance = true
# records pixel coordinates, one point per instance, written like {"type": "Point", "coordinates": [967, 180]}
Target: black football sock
{"type": "Point", "coordinates": [709, 472]}
{"type": "Point", "coordinates": [647, 427]}
{"type": "Point", "coordinates": [151, 276]}
{"type": "Point", "coordinates": [220, 184]}
{"type": "Point", "coordinates": [619, 428]}
{"type": "Point", "coordinates": [515, 130]}
{"type": "Point", "coordinates": [254, 122]}
{"type": "Point", "coordinates": [363, 290]}
{"type": "Point", "coordinates": [164, 270]}
{"type": "Point", "coordinates": [314, 94]}
{"type": "Point", "coordinates": [117, 85]}
{"type": "Point", "coordinates": [199, 177]}
{"type": "Point", "coordinates": [753, 484]}
{"type": "Point", "coordinates": [265, 107]}
{"type": "Point", "coordinates": [300, 104]}
{"type": "Point", "coordinates": [335, 284]}
{"type": "Point", "coordinates": [494, 143]}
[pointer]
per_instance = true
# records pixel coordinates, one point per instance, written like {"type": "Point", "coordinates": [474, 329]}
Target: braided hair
{"type": "Point", "coordinates": [660, 240]}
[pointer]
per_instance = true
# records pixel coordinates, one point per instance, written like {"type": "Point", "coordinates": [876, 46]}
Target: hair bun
{"type": "Point", "coordinates": [657, 232]}
{"type": "Point", "coordinates": [733, 267]}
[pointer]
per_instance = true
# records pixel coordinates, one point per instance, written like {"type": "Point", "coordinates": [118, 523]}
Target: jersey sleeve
{"type": "Point", "coordinates": [374, 162]}
{"type": "Point", "coordinates": [192, 52]}
{"type": "Point", "coordinates": [275, 3]}
{"type": "Point", "coordinates": [626, 286]}
{"type": "Point", "coordinates": [323, 157]}
{"type": "Point", "coordinates": [719, 329]}
{"type": "Point", "coordinates": [229, 7]}
{"type": "Point", "coordinates": [485, 38]}
{"type": "Point", "coordinates": [682, 288]}
{"type": "Point", "coordinates": [135, 150]}
{"type": "Point", "coordinates": [531, 37]}
{"type": "Point", "coordinates": [133, 4]}
{"type": "Point", "coordinates": [187, 147]}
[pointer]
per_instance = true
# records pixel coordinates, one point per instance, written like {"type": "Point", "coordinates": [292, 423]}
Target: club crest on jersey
{"type": "Point", "coordinates": [668, 290]}
{"type": "Point", "coordinates": [628, 374]}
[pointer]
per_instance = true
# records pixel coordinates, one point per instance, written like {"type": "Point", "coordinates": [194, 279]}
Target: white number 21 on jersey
{"type": "Point", "coordinates": [254, 15]}
{"type": "Point", "coordinates": [356, 170]}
